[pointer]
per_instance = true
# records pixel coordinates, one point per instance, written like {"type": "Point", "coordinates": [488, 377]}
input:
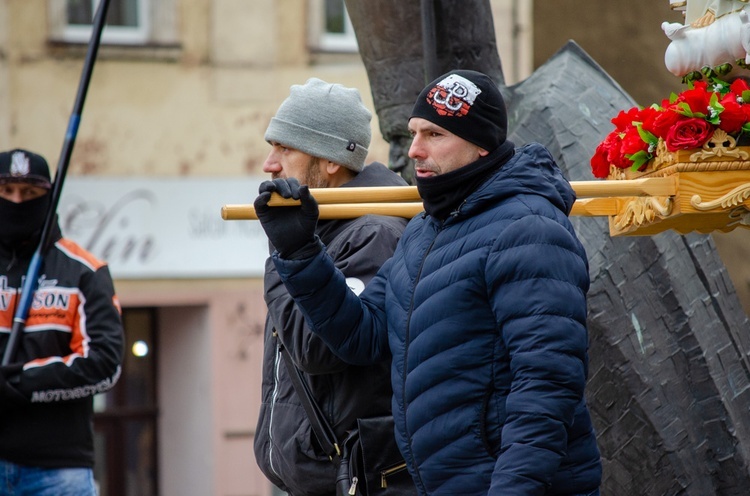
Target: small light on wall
{"type": "Point", "coordinates": [140, 349]}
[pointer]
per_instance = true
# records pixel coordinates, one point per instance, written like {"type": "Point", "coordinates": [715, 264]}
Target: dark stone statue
{"type": "Point", "coordinates": [669, 376]}
{"type": "Point", "coordinates": [389, 35]}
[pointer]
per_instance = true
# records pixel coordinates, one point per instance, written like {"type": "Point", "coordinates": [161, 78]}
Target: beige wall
{"type": "Point", "coordinates": [514, 35]}
{"type": "Point", "coordinates": [196, 109]}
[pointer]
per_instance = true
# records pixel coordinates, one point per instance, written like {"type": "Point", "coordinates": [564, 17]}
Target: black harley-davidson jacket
{"type": "Point", "coordinates": [285, 445]}
{"type": "Point", "coordinates": [71, 350]}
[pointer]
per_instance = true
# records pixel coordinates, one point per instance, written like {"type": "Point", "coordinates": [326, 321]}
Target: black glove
{"type": "Point", "coordinates": [9, 396]}
{"type": "Point", "coordinates": [291, 230]}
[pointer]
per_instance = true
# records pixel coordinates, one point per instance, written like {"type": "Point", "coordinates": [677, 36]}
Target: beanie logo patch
{"type": "Point", "coordinates": [351, 146]}
{"type": "Point", "coordinates": [19, 164]}
{"type": "Point", "coordinates": [453, 96]}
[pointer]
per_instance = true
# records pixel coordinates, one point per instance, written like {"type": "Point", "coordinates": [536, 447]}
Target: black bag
{"type": "Point", "coordinates": [368, 462]}
{"type": "Point", "coordinates": [371, 464]}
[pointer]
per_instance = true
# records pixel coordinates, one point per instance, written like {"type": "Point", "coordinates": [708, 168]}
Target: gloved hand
{"type": "Point", "coordinates": [291, 230]}
{"type": "Point", "coordinates": [9, 397]}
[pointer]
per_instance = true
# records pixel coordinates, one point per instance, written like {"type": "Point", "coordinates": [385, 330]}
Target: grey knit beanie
{"type": "Point", "coordinates": [324, 120]}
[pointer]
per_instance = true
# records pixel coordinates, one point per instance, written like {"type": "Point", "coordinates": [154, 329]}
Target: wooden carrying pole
{"type": "Point", "coordinates": [595, 198]}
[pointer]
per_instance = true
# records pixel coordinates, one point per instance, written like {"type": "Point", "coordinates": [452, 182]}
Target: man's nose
{"type": "Point", "coordinates": [16, 196]}
{"type": "Point", "coordinates": [415, 149]}
{"type": "Point", "coordinates": [271, 164]}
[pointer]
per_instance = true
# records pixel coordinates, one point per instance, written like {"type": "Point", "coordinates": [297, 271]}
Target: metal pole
{"type": "Point", "coordinates": [32, 274]}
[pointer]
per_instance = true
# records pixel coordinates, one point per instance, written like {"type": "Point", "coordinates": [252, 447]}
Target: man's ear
{"type": "Point", "coordinates": [331, 167]}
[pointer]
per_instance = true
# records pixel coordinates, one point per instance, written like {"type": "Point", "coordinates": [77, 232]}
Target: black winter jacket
{"type": "Point", "coordinates": [285, 446]}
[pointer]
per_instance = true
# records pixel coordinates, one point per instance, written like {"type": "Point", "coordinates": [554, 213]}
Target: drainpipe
{"type": "Point", "coordinates": [429, 46]}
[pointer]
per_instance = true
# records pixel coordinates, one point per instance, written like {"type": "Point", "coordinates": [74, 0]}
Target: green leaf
{"type": "Point", "coordinates": [646, 136]}
{"type": "Point", "coordinates": [684, 109]}
{"type": "Point", "coordinates": [724, 69]}
{"type": "Point", "coordinates": [688, 78]}
{"type": "Point", "coordinates": [718, 109]}
{"type": "Point", "coordinates": [708, 72]}
{"type": "Point", "coordinates": [639, 159]}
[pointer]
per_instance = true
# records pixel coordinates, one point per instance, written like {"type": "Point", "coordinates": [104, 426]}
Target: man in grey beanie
{"type": "Point", "coordinates": [324, 120]}
{"type": "Point", "coordinates": [481, 310]}
{"type": "Point", "coordinates": [319, 136]}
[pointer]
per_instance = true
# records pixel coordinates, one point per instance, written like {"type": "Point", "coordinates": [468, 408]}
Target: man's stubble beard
{"type": "Point", "coordinates": [311, 176]}
{"type": "Point", "coordinates": [314, 178]}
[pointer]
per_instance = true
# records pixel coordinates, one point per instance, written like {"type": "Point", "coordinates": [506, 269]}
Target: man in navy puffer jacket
{"type": "Point", "coordinates": [482, 306]}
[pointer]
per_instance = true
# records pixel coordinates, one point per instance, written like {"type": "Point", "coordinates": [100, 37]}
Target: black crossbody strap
{"type": "Point", "coordinates": [320, 426]}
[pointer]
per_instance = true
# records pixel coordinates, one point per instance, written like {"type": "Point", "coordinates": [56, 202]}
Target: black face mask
{"type": "Point", "coordinates": [443, 194]}
{"type": "Point", "coordinates": [22, 222]}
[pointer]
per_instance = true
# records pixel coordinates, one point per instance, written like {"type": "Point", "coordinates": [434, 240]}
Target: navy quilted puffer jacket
{"type": "Point", "coordinates": [485, 317]}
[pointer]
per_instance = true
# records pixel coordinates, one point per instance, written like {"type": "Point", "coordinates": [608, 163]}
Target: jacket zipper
{"type": "Point", "coordinates": [274, 396]}
{"type": "Point", "coordinates": [407, 341]}
{"type": "Point", "coordinates": [13, 260]}
{"type": "Point", "coordinates": [385, 473]}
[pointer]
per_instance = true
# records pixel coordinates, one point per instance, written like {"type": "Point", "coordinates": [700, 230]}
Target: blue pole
{"type": "Point", "coordinates": [32, 274]}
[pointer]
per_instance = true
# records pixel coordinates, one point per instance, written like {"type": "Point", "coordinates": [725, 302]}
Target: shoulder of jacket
{"type": "Point", "coordinates": [74, 251]}
{"type": "Point", "coordinates": [366, 230]}
{"type": "Point", "coordinates": [372, 223]}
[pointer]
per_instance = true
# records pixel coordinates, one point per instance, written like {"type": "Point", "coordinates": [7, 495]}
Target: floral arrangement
{"type": "Point", "coordinates": [686, 120]}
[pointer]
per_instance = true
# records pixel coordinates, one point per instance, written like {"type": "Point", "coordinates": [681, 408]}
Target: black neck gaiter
{"type": "Point", "coordinates": [442, 194]}
{"type": "Point", "coordinates": [22, 222]}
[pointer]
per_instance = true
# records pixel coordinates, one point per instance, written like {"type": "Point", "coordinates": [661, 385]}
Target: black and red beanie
{"type": "Point", "coordinates": [468, 104]}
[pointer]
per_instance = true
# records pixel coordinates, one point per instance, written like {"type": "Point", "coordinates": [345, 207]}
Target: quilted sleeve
{"type": "Point", "coordinates": [537, 275]}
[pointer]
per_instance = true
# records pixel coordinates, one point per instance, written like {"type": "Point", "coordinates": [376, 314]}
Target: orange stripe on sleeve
{"type": "Point", "coordinates": [72, 249]}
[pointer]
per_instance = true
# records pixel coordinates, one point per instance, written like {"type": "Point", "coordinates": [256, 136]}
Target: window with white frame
{"type": "Point", "coordinates": [129, 22]}
{"type": "Point", "coordinates": [336, 33]}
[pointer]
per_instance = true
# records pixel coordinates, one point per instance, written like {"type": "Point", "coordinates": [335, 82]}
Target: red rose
{"type": "Point", "coordinates": [632, 143]}
{"type": "Point", "coordinates": [624, 119]}
{"type": "Point", "coordinates": [696, 98]}
{"type": "Point", "coordinates": [687, 134]}
{"type": "Point", "coordinates": [738, 86]}
{"type": "Point", "coordinates": [649, 117]}
{"type": "Point", "coordinates": [733, 117]}
{"type": "Point", "coordinates": [663, 122]}
{"type": "Point", "coordinates": [599, 162]}
{"type": "Point", "coordinates": [665, 102]}
{"type": "Point", "coordinates": [615, 156]}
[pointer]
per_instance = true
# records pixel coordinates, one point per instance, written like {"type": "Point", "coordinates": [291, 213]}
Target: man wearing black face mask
{"type": "Point", "coordinates": [71, 348]}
